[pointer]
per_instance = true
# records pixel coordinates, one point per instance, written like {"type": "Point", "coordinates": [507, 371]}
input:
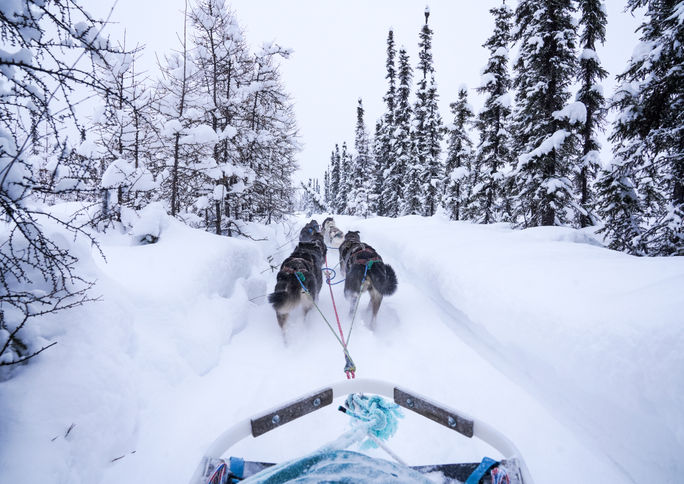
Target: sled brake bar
{"type": "Point", "coordinates": [309, 404]}
{"type": "Point", "coordinates": [290, 412]}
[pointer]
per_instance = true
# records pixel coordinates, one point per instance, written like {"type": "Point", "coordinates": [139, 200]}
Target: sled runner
{"type": "Point", "coordinates": [373, 420]}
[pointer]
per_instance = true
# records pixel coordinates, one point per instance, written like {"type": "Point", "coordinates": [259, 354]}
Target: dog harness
{"type": "Point", "coordinates": [364, 255]}
{"type": "Point", "coordinates": [292, 270]}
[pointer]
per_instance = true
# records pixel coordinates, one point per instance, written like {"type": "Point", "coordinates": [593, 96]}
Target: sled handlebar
{"type": "Point", "coordinates": [281, 415]}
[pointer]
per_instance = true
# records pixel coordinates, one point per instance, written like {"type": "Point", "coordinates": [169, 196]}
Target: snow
{"type": "Point", "coordinates": [589, 54]}
{"type": "Point", "coordinates": [553, 142]}
{"type": "Point", "coordinates": [88, 148]}
{"type": "Point", "coordinates": [575, 112]}
{"type": "Point", "coordinates": [500, 52]}
{"type": "Point", "coordinates": [172, 127]}
{"type": "Point", "coordinates": [117, 173]}
{"type": "Point", "coordinates": [149, 222]}
{"type": "Point", "coordinates": [571, 350]}
{"type": "Point", "coordinates": [678, 13]}
{"type": "Point", "coordinates": [487, 78]}
{"type": "Point", "coordinates": [505, 100]}
{"type": "Point", "coordinates": [199, 135]}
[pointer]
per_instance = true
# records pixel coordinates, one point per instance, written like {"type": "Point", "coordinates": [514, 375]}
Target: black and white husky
{"type": "Point", "coordinates": [364, 269]}
{"type": "Point", "coordinates": [302, 268]}
{"type": "Point", "coordinates": [331, 234]}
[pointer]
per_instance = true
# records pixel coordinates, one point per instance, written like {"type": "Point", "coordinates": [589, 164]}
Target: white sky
{"type": "Point", "coordinates": [339, 52]}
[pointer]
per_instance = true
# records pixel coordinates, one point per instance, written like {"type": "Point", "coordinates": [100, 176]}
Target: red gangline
{"type": "Point", "coordinates": [337, 317]}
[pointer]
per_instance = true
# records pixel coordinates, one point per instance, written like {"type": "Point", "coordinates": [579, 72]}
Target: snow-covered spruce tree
{"type": "Point", "coordinates": [401, 149]}
{"type": "Point", "coordinates": [269, 140]}
{"type": "Point", "coordinates": [620, 207]}
{"type": "Point", "coordinates": [428, 126]}
{"type": "Point", "coordinates": [179, 166]}
{"type": "Point", "coordinates": [123, 130]}
{"type": "Point", "coordinates": [542, 122]}
{"type": "Point", "coordinates": [489, 200]}
{"type": "Point", "coordinates": [312, 201]}
{"type": "Point", "coordinates": [642, 193]}
{"type": "Point", "coordinates": [378, 153]}
{"type": "Point", "coordinates": [459, 161]}
{"type": "Point", "coordinates": [334, 169]}
{"type": "Point", "coordinates": [385, 134]}
{"type": "Point", "coordinates": [593, 20]}
{"type": "Point", "coordinates": [221, 57]}
{"type": "Point", "coordinates": [346, 181]}
{"type": "Point", "coordinates": [223, 66]}
{"type": "Point", "coordinates": [362, 175]}
{"type": "Point", "coordinates": [43, 74]}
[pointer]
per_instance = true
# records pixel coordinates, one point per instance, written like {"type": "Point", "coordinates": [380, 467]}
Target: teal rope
{"type": "Point", "coordinates": [349, 363]}
{"type": "Point", "coordinates": [369, 264]}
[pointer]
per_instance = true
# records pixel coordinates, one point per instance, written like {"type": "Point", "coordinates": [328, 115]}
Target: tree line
{"type": "Point", "coordinates": [536, 158]}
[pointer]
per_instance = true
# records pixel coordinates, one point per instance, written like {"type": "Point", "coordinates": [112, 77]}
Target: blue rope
{"type": "Point", "coordinates": [376, 413]}
{"type": "Point", "coordinates": [481, 470]}
{"type": "Point", "coordinates": [330, 270]}
{"type": "Point", "coordinates": [300, 279]}
{"type": "Point", "coordinates": [333, 276]}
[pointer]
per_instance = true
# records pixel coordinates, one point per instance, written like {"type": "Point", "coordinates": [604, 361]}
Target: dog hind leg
{"type": "Point", "coordinates": [353, 299]}
{"type": "Point", "coordinates": [374, 306]}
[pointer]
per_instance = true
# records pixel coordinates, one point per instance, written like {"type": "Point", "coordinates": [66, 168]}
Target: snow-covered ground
{"type": "Point", "coordinates": [571, 350]}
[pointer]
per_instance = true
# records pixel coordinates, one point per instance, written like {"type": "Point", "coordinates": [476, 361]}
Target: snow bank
{"type": "Point", "coordinates": [166, 312]}
{"type": "Point", "coordinates": [596, 332]}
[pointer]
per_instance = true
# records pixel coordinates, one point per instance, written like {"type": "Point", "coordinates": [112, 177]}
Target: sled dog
{"type": "Point", "coordinates": [302, 268]}
{"type": "Point", "coordinates": [308, 231]}
{"type": "Point", "coordinates": [332, 235]}
{"type": "Point", "coordinates": [358, 259]}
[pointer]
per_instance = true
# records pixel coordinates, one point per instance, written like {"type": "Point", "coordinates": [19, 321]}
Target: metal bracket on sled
{"type": "Point", "coordinates": [290, 412]}
{"type": "Point", "coordinates": [434, 413]}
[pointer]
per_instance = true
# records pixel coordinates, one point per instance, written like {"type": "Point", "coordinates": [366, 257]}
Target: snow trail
{"type": "Point", "coordinates": [485, 320]}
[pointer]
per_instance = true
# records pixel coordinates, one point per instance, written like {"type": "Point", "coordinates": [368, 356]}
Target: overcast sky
{"type": "Point", "coordinates": [340, 50]}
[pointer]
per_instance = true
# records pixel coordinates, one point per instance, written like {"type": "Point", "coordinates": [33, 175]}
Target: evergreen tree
{"type": "Point", "coordinates": [393, 193]}
{"type": "Point", "coordinates": [620, 207]}
{"type": "Point", "coordinates": [459, 162]}
{"type": "Point", "coordinates": [378, 162]}
{"type": "Point", "coordinates": [175, 171]}
{"type": "Point", "coordinates": [123, 130]}
{"type": "Point", "coordinates": [346, 181]}
{"type": "Point", "coordinates": [362, 181]}
{"type": "Point", "coordinates": [385, 135]}
{"type": "Point", "coordinates": [311, 201]}
{"type": "Point", "coordinates": [268, 140]}
{"type": "Point", "coordinates": [228, 126]}
{"type": "Point", "coordinates": [543, 119]}
{"type": "Point", "coordinates": [642, 194]}
{"type": "Point", "coordinates": [335, 180]}
{"type": "Point", "coordinates": [428, 126]}
{"type": "Point", "coordinates": [593, 21]}
{"type": "Point", "coordinates": [223, 66]}
{"type": "Point", "coordinates": [489, 200]}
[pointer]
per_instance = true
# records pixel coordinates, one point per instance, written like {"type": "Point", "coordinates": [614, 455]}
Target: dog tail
{"type": "Point", "coordinates": [286, 292]}
{"type": "Point", "coordinates": [383, 277]}
{"type": "Point", "coordinates": [278, 298]}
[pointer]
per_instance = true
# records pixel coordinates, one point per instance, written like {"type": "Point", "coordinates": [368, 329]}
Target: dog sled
{"type": "Point", "coordinates": [373, 406]}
